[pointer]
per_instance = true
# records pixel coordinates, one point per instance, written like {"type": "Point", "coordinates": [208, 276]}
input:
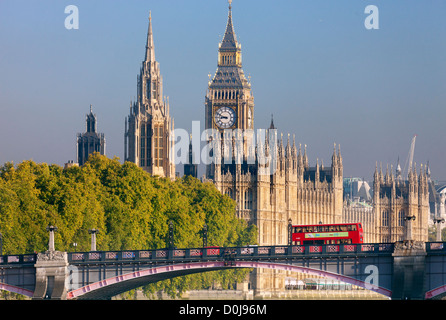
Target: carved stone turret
{"type": "Point", "coordinates": [148, 137]}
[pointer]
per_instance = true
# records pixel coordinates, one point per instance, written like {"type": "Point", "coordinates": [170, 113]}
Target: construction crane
{"type": "Point", "coordinates": [409, 159]}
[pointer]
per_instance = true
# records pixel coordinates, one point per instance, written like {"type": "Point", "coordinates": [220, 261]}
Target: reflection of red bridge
{"type": "Point", "coordinates": [401, 270]}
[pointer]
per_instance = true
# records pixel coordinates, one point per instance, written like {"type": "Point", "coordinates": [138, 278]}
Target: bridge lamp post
{"type": "Point", "coordinates": [290, 232]}
{"type": "Point", "coordinates": [205, 235]}
{"type": "Point", "coordinates": [409, 226]}
{"type": "Point", "coordinates": [51, 230]}
{"type": "Point", "coordinates": [1, 244]}
{"type": "Point", "coordinates": [171, 235]}
{"type": "Point", "coordinates": [93, 238]}
{"type": "Point", "coordinates": [438, 221]}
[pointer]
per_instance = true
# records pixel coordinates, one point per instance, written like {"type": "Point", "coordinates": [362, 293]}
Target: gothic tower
{"type": "Point", "coordinates": [191, 168]}
{"type": "Point", "coordinates": [229, 101]}
{"type": "Point", "coordinates": [269, 179]}
{"type": "Point", "coordinates": [229, 111]}
{"type": "Point", "coordinates": [148, 128]}
{"type": "Point", "coordinates": [89, 141]}
{"type": "Point", "coordinates": [401, 207]}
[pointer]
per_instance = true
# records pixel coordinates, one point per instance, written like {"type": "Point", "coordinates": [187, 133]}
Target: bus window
{"type": "Point", "coordinates": [360, 227]}
{"type": "Point", "coordinates": [331, 228]}
{"type": "Point", "coordinates": [343, 228]}
{"type": "Point", "coordinates": [353, 227]}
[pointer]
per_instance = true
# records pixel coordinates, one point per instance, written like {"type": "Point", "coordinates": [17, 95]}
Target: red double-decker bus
{"type": "Point", "coordinates": [342, 233]}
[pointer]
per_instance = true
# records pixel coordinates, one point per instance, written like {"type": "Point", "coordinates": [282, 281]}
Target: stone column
{"type": "Point", "coordinates": [438, 222]}
{"type": "Point", "coordinates": [93, 238]}
{"type": "Point", "coordinates": [51, 229]}
{"type": "Point", "coordinates": [409, 220]}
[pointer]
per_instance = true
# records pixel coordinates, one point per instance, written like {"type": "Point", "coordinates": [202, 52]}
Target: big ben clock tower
{"type": "Point", "coordinates": [229, 101]}
{"type": "Point", "coordinates": [229, 108]}
{"type": "Point", "coordinates": [270, 180]}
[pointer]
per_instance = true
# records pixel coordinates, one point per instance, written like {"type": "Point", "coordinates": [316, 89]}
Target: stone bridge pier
{"type": "Point", "coordinates": [409, 271]}
{"type": "Point", "coordinates": [51, 272]}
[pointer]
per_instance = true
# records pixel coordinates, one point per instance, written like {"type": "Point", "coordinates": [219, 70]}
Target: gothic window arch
{"type": "Point", "coordinates": [228, 192]}
{"type": "Point", "coordinates": [154, 89]}
{"type": "Point", "coordinates": [159, 145]}
{"type": "Point", "coordinates": [142, 159]}
{"type": "Point", "coordinates": [248, 199]}
{"type": "Point", "coordinates": [401, 216]}
{"type": "Point", "coordinates": [145, 145]}
{"type": "Point", "coordinates": [385, 218]}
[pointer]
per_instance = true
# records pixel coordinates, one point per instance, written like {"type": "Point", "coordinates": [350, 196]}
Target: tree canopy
{"type": "Point", "coordinates": [131, 208]}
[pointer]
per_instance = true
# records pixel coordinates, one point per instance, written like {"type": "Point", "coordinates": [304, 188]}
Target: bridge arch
{"type": "Point", "coordinates": [110, 287]}
{"type": "Point", "coordinates": [14, 289]}
{"type": "Point", "coordinates": [436, 293]}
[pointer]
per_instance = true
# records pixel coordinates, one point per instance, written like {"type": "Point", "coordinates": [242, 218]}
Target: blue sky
{"type": "Point", "coordinates": [313, 64]}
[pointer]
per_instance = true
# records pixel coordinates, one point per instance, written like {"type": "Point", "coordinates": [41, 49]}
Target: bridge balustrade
{"type": "Point", "coordinates": [23, 271]}
{"type": "Point", "coordinates": [435, 247]}
{"type": "Point", "coordinates": [18, 259]}
{"type": "Point", "coordinates": [233, 253]}
{"type": "Point", "coordinates": [209, 253]}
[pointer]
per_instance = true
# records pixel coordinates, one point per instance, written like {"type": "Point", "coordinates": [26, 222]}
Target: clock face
{"type": "Point", "coordinates": [225, 117]}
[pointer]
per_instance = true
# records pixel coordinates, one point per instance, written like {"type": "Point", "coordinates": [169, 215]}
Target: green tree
{"type": "Point", "coordinates": [131, 208]}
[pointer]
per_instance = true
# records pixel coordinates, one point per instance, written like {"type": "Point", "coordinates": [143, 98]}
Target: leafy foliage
{"type": "Point", "coordinates": [130, 207]}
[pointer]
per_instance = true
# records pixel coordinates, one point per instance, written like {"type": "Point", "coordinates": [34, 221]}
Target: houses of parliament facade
{"type": "Point", "coordinates": [290, 190]}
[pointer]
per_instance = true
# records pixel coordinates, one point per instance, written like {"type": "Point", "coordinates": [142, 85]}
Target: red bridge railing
{"type": "Point", "coordinates": [219, 253]}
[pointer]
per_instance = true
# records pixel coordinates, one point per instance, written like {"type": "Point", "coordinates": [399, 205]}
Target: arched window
{"type": "Point", "coordinates": [385, 218]}
{"type": "Point", "coordinates": [248, 199]}
{"type": "Point", "coordinates": [154, 88]}
{"type": "Point", "coordinates": [401, 216]}
{"type": "Point", "coordinates": [159, 145]}
{"type": "Point", "coordinates": [142, 154]}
